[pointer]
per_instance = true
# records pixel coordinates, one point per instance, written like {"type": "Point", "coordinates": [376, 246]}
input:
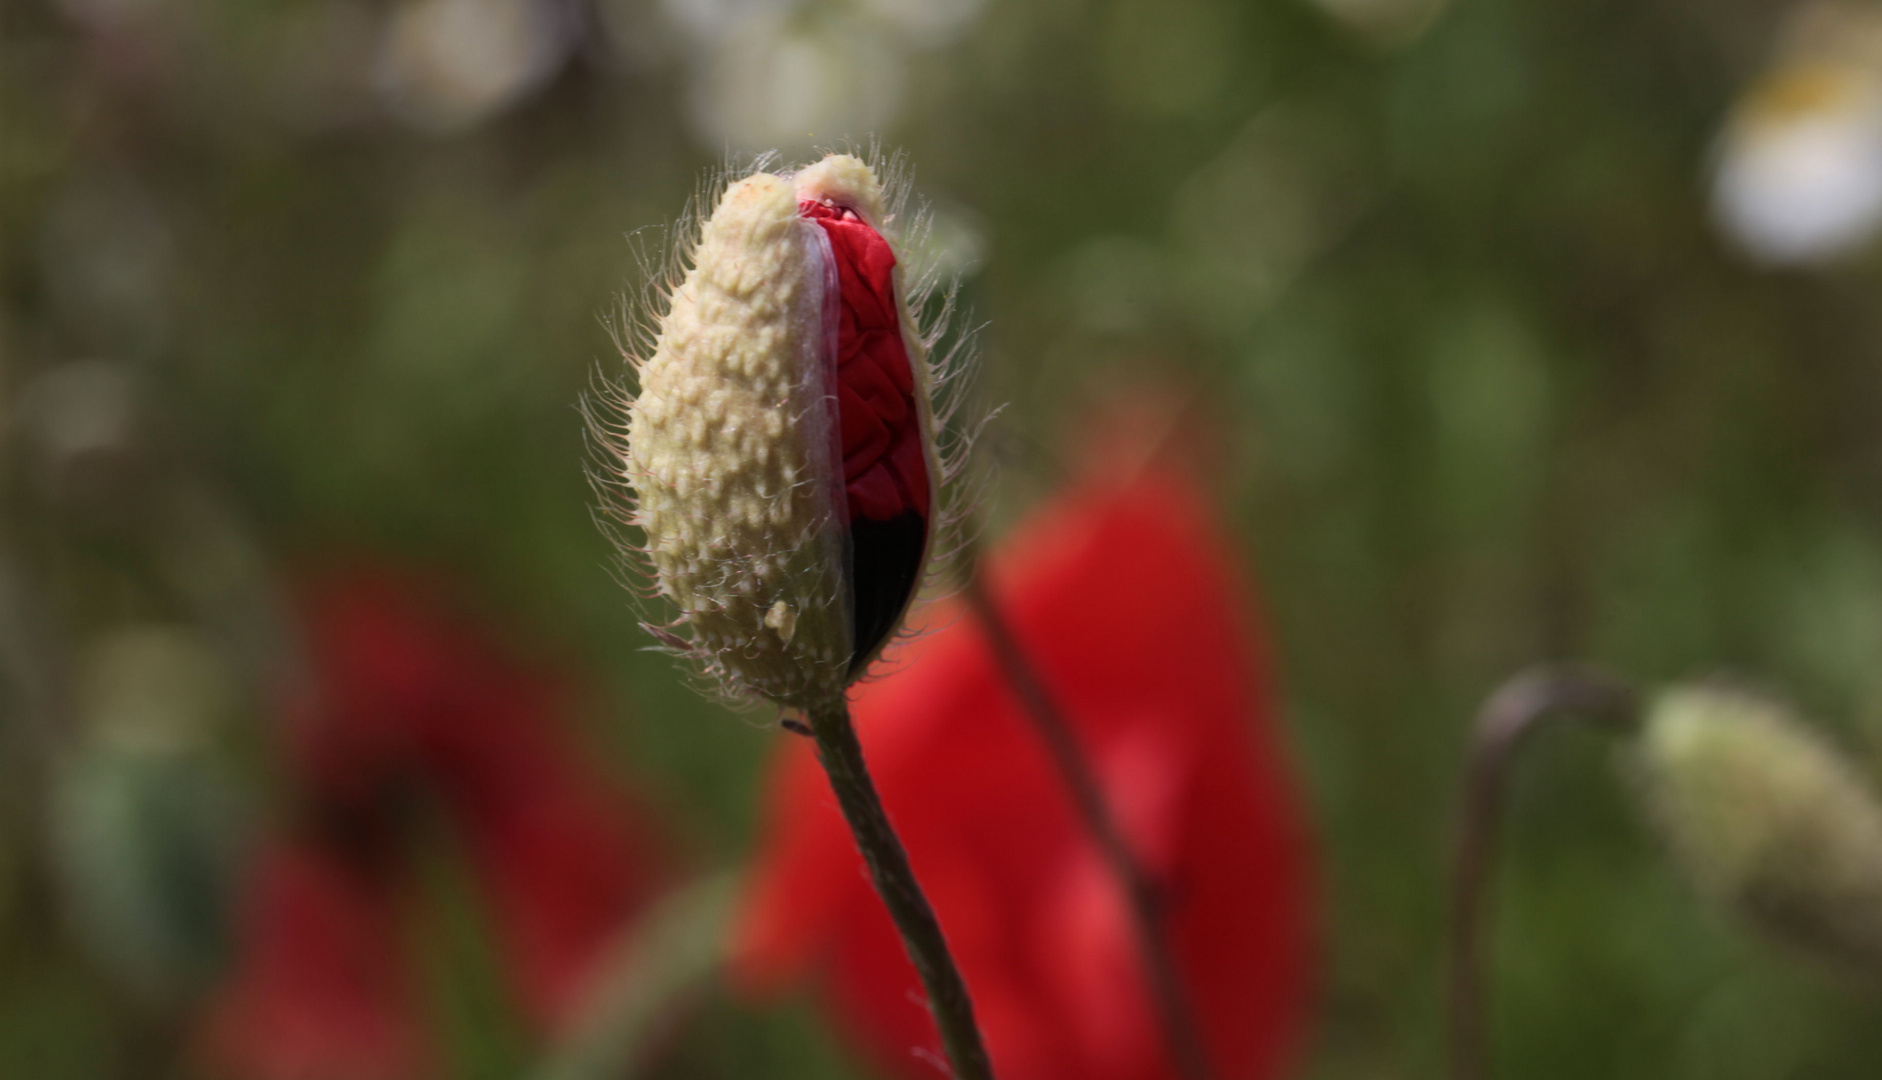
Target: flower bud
{"type": "Point", "coordinates": [1763, 815]}
{"type": "Point", "coordinates": [781, 452]}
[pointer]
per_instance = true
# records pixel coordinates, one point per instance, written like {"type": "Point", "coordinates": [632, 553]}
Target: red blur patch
{"type": "Point", "coordinates": [414, 696]}
{"type": "Point", "coordinates": [408, 703]}
{"type": "Point", "coordinates": [319, 993]}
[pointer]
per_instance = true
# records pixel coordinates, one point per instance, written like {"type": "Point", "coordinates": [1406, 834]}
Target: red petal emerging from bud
{"type": "Point", "coordinates": [885, 464]}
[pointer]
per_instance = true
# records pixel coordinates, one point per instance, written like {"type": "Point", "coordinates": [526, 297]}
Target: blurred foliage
{"type": "Point", "coordinates": [288, 278]}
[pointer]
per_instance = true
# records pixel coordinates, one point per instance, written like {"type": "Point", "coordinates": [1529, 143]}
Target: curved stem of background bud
{"type": "Point", "coordinates": [842, 758]}
{"type": "Point", "coordinates": [1180, 1029]}
{"type": "Point", "coordinates": [1502, 725]}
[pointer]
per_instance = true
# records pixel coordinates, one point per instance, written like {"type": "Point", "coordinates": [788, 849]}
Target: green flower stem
{"type": "Point", "coordinates": [1503, 724]}
{"type": "Point", "coordinates": [1178, 1020]}
{"type": "Point", "coordinates": [842, 757]}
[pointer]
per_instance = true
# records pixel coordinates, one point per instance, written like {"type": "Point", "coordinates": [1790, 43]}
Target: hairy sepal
{"type": "Point", "coordinates": [728, 454]}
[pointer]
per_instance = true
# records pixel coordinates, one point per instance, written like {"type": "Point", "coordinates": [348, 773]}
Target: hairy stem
{"type": "Point", "coordinates": [1502, 725]}
{"type": "Point", "coordinates": [1178, 1020]}
{"type": "Point", "coordinates": [842, 757]}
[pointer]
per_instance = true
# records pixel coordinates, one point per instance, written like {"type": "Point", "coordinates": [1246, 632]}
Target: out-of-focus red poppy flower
{"type": "Point", "coordinates": [320, 992]}
{"type": "Point", "coordinates": [407, 706]}
{"type": "Point", "coordinates": [1125, 599]}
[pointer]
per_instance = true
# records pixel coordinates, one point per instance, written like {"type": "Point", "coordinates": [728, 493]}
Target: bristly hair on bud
{"type": "Point", "coordinates": [782, 462]}
{"type": "Point", "coordinates": [1764, 816]}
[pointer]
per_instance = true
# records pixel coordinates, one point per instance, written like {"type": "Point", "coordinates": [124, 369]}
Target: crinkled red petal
{"type": "Point", "coordinates": [885, 471]}
{"type": "Point", "coordinates": [885, 465]}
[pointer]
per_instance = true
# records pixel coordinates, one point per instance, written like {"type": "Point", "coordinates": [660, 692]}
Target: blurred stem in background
{"type": "Point", "coordinates": [1501, 728]}
{"type": "Point", "coordinates": [1141, 897]}
{"type": "Point", "coordinates": [661, 962]}
{"type": "Point", "coordinates": [842, 757]}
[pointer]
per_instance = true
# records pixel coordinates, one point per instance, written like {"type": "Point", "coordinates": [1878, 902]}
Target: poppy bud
{"type": "Point", "coordinates": [1766, 817]}
{"type": "Point", "coordinates": [781, 450]}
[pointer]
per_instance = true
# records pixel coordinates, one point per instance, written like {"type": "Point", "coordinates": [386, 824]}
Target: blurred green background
{"type": "Point", "coordinates": [1529, 340]}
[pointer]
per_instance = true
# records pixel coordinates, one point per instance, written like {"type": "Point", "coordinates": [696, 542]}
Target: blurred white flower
{"type": "Point", "coordinates": [709, 21]}
{"type": "Point", "coordinates": [1800, 168]}
{"type": "Point", "coordinates": [927, 24]}
{"type": "Point", "coordinates": [447, 65]}
{"type": "Point", "coordinates": [791, 75]}
{"type": "Point", "coordinates": [770, 83]}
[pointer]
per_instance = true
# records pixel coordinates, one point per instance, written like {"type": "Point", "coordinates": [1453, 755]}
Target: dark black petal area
{"type": "Point", "coordinates": [885, 568]}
